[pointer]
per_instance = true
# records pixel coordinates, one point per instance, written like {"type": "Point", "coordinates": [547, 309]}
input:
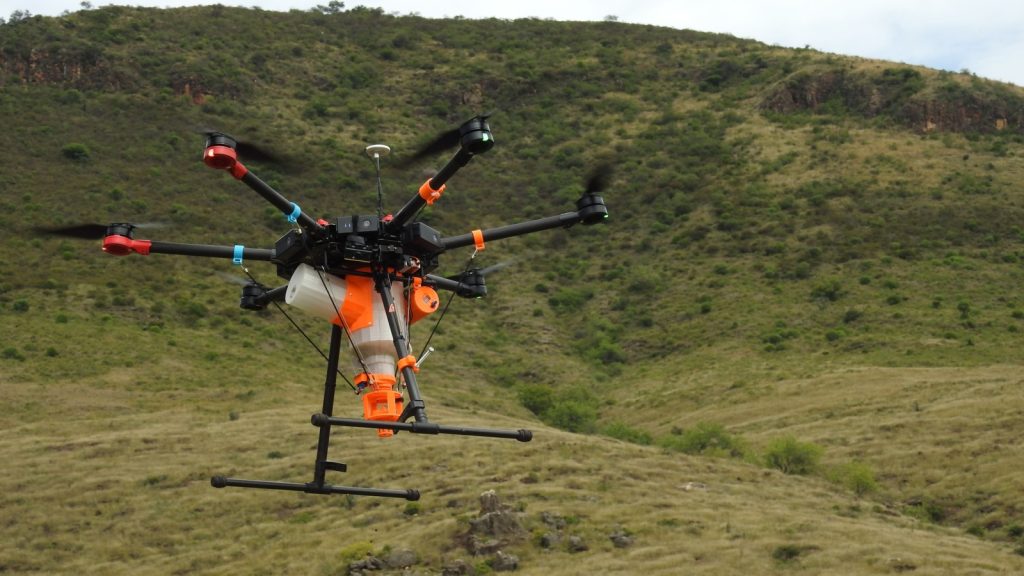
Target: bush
{"type": "Point", "coordinates": [537, 398]}
{"type": "Point", "coordinates": [852, 316]}
{"type": "Point", "coordinates": [776, 341]}
{"type": "Point", "coordinates": [830, 290]}
{"type": "Point", "coordinates": [833, 335]}
{"type": "Point", "coordinates": [573, 409]}
{"type": "Point", "coordinates": [793, 457]}
{"type": "Point", "coordinates": [355, 551]}
{"type": "Point", "coordinates": [572, 416]}
{"type": "Point", "coordinates": [705, 438]}
{"type": "Point", "coordinates": [621, 431]}
{"type": "Point", "coordinates": [856, 476]}
{"type": "Point", "coordinates": [570, 299]}
{"type": "Point", "coordinates": [790, 552]}
{"type": "Point", "coordinates": [12, 354]}
{"type": "Point", "coordinates": [76, 152]}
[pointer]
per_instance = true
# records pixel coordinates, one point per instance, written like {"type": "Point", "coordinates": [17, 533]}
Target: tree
{"type": "Point", "coordinates": [333, 7]}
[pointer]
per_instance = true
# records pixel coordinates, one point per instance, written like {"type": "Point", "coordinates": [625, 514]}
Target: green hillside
{"type": "Point", "coordinates": [813, 265]}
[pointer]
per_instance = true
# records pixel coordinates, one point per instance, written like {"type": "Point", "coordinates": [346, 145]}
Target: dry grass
{"type": "Point", "coordinates": [95, 487]}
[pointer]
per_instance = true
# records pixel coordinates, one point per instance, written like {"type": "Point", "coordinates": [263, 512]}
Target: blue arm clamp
{"type": "Point", "coordinates": [296, 212]}
{"type": "Point", "coordinates": [237, 259]}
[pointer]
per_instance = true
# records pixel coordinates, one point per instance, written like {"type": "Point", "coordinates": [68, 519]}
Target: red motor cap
{"type": "Point", "coordinates": [220, 157]}
{"type": "Point", "coordinates": [123, 245]}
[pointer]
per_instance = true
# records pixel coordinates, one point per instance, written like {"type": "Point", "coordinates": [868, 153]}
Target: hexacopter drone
{"type": "Point", "coordinates": [370, 276]}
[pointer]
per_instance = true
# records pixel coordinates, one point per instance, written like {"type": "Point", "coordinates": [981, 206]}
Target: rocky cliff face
{"type": "Point", "coordinates": [42, 66]}
{"type": "Point", "coordinates": [944, 103]}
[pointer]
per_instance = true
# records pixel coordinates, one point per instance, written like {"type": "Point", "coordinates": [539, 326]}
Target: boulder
{"type": "Point", "coordinates": [576, 544]}
{"type": "Point", "coordinates": [503, 562]}
{"type": "Point", "coordinates": [458, 568]}
{"type": "Point", "coordinates": [620, 539]}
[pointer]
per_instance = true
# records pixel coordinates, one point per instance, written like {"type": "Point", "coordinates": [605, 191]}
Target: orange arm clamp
{"type": "Point", "coordinates": [429, 194]}
{"type": "Point", "coordinates": [478, 239]}
{"type": "Point", "coordinates": [408, 362]}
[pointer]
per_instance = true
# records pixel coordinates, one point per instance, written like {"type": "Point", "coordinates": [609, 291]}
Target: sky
{"type": "Point", "coordinates": [985, 37]}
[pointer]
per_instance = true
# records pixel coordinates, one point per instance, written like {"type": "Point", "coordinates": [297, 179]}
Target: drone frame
{"type": "Point", "coordinates": [398, 249]}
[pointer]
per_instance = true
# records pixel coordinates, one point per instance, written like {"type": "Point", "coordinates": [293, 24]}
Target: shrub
{"type": "Point", "coordinates": [705, 438]}
{"type": "Point", "coordinates": [792, 456]}
{"type": "Point", "coordinates": [572, 416]}
{"type": "Point", "coordinates": [776, 340]}
{"type": "Point", "coordinates": [856, 476]}
{"type": "Point", "coordinates": [355, 551]}
{"type": "Point", "coordinates": [76, 152]}
{"type": "Point", "coordinates": [852, 316]}
{"type": "Point", "coordinates": [928, 511]}
{"type": "Point", "coordinates": [598, 341]}
{"type": "Point", "coordinates": [830, 290]}
{"type": "Point", "coordinates": [790, 552]}
{"type": "Point", "coordinates": [537, 398]}
{"type": "Point", "coordinates": [193, 310]}
{"type": "Point", "coordinates": [20, 306]}
{"type": "Point", "coordinates": [12, 354]}
{"type": "Point", "coordinates": [570, 299]}
{"type": "Point", "coordinates": [623, 432]}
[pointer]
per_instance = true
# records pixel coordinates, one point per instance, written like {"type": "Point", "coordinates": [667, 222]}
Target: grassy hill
{"type": "Point", "coordinates": [802, 247]}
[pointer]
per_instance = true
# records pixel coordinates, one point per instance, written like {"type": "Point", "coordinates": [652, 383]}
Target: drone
{"type": "Point", "coordinates": [371, 277]}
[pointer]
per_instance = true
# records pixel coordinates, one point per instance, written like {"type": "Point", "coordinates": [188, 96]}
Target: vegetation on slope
{"type": "Point", "coordinates": [779, 217]}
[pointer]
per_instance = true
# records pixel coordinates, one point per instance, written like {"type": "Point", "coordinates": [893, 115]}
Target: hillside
{"type": "Point", "coordinates": [801, 245]}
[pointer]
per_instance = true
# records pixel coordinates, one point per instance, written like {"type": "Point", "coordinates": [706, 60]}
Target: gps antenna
{"type": "Point", "coordinates": [377, 151]}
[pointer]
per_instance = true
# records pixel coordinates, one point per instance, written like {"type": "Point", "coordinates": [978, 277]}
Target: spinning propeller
{"type": "Point", "coordinates": [93, 231]}
{"type": "Point", "coordinates": [474, 134]}
{"type": "Point", "coordinates": [246, 150]}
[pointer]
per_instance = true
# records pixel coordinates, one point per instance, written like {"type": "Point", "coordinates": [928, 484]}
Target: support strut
{"type": "Point", "coordinates": [415, 406]}
{"type": "Point", "coordinates": [322, 465]}
{"type": "Point", "coordinates": [325, 421]}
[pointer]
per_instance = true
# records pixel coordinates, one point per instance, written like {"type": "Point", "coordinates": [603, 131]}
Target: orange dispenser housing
{"type": "Point", "coordinates": [382, 402]}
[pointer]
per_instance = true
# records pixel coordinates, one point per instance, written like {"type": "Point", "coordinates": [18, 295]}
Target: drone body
{"type": "Point", "coordinates": [371, 277]}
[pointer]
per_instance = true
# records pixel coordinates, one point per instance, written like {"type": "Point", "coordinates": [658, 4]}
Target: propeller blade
{"type": "Point", "coordinates": [600, 178]}
{"type": "Point", "coordinates": [232, 278]}
{"type": "Point", "coordinates": [258, 154]}
{"type": "Point", "coordinates": [495, 267]}
{"type": "Point", "coordinates": [89, 231]}
{"type": "Point", "coordinates": [483, 272]}
{"type": "Point", "coordinates": [442, 142]}
{"type": "Point", "coordinates": [248, 150]}
{"type": "Point", "coordinates": [83, 231]}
